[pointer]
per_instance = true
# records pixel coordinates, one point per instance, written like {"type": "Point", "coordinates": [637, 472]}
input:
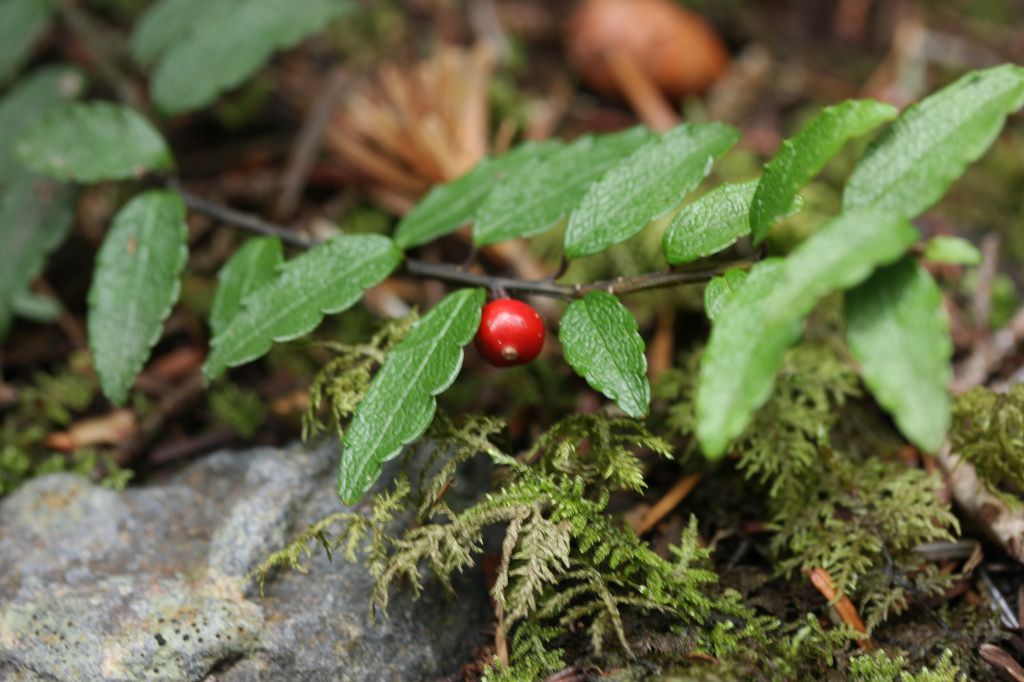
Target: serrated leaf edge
{"type": "Point", "coordinates": [121, 395]}
{"type": "Point", "coordinates": [891, 398]}
{"type": "Point", "coordinates": [961, 167]}
{"type": "Point", "coordinates": [632, 337]}
{"type": "Point", "coordinates": [164, 162]}
{"type": "Point", "coordinates": [345, 482]}
{"type": "Point", "coordinates": [572, 251]}
{"type": "Point", "coordinates": [788, 153]}
{"type": "Point", "coordinates": [283, 338]}
{"type": "Point", "coordinates": [222, 276]}
{"type": "Point", "coordinates": [222, 85]}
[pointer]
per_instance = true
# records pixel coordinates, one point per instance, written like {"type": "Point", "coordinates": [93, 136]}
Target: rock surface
{"type": "Point", "coordinates": [146, 584]}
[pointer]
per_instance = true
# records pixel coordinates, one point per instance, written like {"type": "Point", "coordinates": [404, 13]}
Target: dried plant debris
{"type": "Point", "coordinates": [412, 127]}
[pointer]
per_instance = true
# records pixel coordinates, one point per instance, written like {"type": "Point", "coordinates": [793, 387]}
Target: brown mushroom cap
{"type": "Point", "coordinates": [679, 50]}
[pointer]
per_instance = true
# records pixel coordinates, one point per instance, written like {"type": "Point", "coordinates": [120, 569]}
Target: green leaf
{"type": "Point", "coordinates": [134, 287]}
{"type": "Point", "coordinates": [36, 93]}
{"type": "Point", "coordinates": [649, 183]}
{"type": "Point", "coordinates": [803, 156]}
{"type": "Point", "coordinates": [544, 190]}
{"type": "Point", "coordinates": [229, 40]}
{"type": "Point", "coordinates": [325, 280]}
{"type": "Point", "coordinates": [898, 332]}
{"type": "Point", "coordinates": [841, 254]}
{"type": "Point", "coordinates": [164, 24]}
{"type": "Point", "coordinates": [910, 167]}
{"type": "Point", "coordinates": [713, 222]}
{"type": "Point", "coordinates": [952, 250]}
{"type": "Point", "coordinates": [720, 289]}
{"type": "Point", "coordinates": [600, 341]}
{"type": "Point", "coordinates": [765, 316]}
{"type": "Point", "coordinates": [35, 215]}
{"type": "Point", "coordinates": [36, 307]}
{"type": "Point", "coordinates": [247, 270]}
{"type": "Point", "coordinates": [400, 403]}
{"type": "Point", "coordinates": [22, 23]}
{"type": "Point", "coordinates": [93, 142]}
{"type": "Point", "coordinates": [450, 206]}
{"type": "Point", "coordinates": [743, 355]}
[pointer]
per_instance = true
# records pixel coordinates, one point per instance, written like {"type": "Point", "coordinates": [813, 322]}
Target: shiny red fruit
{"type": "Point", "coordinates": [511, 333]}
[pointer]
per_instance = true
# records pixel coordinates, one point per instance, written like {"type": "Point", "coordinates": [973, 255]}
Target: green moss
{"type": "Point", "coordinates": [86, 462]}
{"type": "Point", "coordinates": [564, 561]}
{"type": "Point", "coordinates": [988, 432]}
{"type": "Point", "coordinates": [833, 504]}
{"type": "Point", "coordinates": [237, 408]}
{"type": "Point", "coordinates": [343, 381]}
{"type": "Point", "coordinates": [574, 585]}
{"type": "Point", "coordinates": [881, 667]}
{"type": "Point", "coordinates": [861, 523]}
{"type": "Point", "coordinates": [49, 403]}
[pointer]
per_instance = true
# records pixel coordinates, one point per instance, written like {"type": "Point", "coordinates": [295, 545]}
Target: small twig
{"type": "Point", "coordinates": [172, 402]}
{"type": "Point", "coordinates": [195, 445]}
{"type": "Point", "coordinates": [999, 604]}
{"type": "Point", "coordinates": [667, 503]}
{"type": "Point", "coordinates": [988, 354]}
{"type": "Point", "coordinates": [83, 25]}
{"type": "Point", "coordinates": [981, 304]}
{"type": "Point", "coordinates": [483, 17]}
{"type": "Point", "coordinates": [945, 550]}
{"type": "Point", "coordinates": [741, 550]}
{"type": "Point", "coordinates": [563, 267]}
{"type": "Point", "coordinates": [545, 287]}
{"type": "Point", "coordinates": [66, 321]}
{"type": "Point", "coordinates": [566, 675]}
{"type": "Point", "coordinates": [900, 580]}
{"type": "Point", "coordinates": [241, 219]}
{"type": "Point", "coordinates": [307, 144]}
{"type": "Point", "coordinates": [455, 274]}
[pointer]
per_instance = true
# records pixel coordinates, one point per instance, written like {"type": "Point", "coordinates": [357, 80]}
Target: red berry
{"type": "Point", "coordinates": [511, 333]}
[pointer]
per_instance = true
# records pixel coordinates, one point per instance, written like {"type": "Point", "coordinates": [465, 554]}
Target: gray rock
{"type": "Point", "coordinates": [147, 584]}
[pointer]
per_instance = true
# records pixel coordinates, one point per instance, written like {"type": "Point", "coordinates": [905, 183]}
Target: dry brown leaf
{"type": "Point", "coordinates": [847, 612]}
{"type": "Point", "coordinates": [1000, 660]}
{"type": "Point", "coordinates": [110, 429]}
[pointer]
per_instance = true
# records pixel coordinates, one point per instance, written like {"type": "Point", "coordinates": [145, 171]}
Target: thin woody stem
{"type": "Point", "coordinates": [547, 287]}
{"type": "Point", "coordinates": [236, 218]}
{"type": "Point", "coordinates": [458, 275]}
{"type": "Point", "coordinates": [105, 55]}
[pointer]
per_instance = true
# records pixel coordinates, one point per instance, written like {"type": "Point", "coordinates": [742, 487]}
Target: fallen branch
{"type": "Point", "coordinates": [1004, 525]}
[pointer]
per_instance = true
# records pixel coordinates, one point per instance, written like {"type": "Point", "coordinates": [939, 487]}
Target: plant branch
{"type": "Point", "coordinates": [236, 218]}
{"type": "Point", "coordinates": [547, 287]}
{"type": "Point", "coordinates": [103, 51]}
{"type": "Point", "coordinates": [452, 273]}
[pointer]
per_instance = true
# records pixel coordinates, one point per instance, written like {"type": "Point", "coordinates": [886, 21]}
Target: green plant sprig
{"type": "Point", "coordinates": [456, 274]}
